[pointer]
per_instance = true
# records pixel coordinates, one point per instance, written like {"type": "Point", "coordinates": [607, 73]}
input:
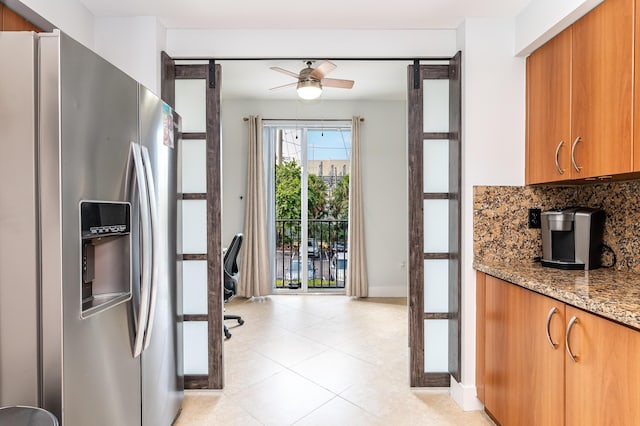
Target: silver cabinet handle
{"type": "Point", "coordinates": [558, 168]}
{"type": "Point", "coordinates": [551, 312]}
{"type": "Point", "coordinates": [573, 154]}
{"type": "Point", "coordinates": [566, 339]}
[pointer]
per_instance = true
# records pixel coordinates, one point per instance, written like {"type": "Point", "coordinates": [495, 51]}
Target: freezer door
{"type": "Point", "coordinates": [162, 372]}
{"type": "Point", "coordinates": [18, 222]}
{"type": "Point", "coordinates": [89, 119]}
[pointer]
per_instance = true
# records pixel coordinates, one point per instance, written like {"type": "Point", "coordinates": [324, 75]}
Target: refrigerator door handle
{"type": "Point", "coordinates": [155, 234]}
{"type": "Point", "coordinates": [146, 249]}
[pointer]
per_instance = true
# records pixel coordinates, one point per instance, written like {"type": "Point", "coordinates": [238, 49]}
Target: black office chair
{"type": "Point", "coordinates": [231, 278]}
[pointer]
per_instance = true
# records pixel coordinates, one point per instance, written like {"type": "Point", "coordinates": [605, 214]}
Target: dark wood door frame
{"type": "Point", "coordinates": [211, 73]}
{"type": "Point", "coordinates": [417, 256]}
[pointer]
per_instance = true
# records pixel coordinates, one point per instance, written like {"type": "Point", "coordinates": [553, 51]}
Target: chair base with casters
{"type": "Point", "coordinates": [231, 279]}
{"type": "Point", "coordinates": [227, 333]}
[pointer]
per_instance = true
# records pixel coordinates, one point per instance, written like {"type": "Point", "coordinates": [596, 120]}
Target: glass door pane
{"type": "Point", "coordinates": [191, 103]}
{"type": "Point", "coordinates": [288, 207]}
{"type": "Point", "coordinates": [436, 285]}
{"type": "Point", "coordinates": [436, 166]}
{"type": "Point", "coordinates": [436, 226]}
{"type": "Point", "coordinates": [328, 168]}
{"type": "Point", "coordinates": [436, 356]}
{"type": "Point", "coordinates": [436, 106]}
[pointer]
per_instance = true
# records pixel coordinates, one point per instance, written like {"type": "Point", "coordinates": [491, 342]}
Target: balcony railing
{"type": "Point", "coordinates": [327, 254]}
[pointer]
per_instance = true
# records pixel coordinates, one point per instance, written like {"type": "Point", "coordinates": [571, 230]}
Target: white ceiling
{"type": "Point", "coordinates": [296, 14]}
{"type": "Point", "coordinates": [380, 80]}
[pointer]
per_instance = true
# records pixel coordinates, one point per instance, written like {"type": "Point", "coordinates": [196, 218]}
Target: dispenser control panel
{"type": "Point", "coordinates": [104, 218]}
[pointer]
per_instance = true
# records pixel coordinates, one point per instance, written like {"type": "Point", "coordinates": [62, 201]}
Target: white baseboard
{"type": "Point", "coordinates": [465, 396]}
{"type": "Point", "coordinates": [387, 291]}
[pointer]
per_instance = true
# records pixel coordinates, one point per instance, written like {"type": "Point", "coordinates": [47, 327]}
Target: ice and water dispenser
{"type": "Point", "coordinates": [106, 255]}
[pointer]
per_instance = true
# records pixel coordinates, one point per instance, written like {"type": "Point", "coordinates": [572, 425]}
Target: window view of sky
{"type": "Point", "coordinates": [323, 144]}
{"type": "Point", "coordinates": [329, 144]}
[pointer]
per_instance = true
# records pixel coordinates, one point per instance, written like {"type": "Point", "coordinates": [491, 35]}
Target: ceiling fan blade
{"type": "Point", "coordinates": [284, 86]}
{"type": "Point", "coordinates": [323, 69]}
{"type": "Point", "coordinates": [283, 71]}
{"type": "Point", "coordinates": [335, 82]}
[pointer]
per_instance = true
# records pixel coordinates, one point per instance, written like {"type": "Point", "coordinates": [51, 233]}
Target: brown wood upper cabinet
{"type": "Point", "coordinates": [580, 98]}
{"type": "Point", "coordinates": [11, 21]}
{"type": "Point", "coordinates": [549, 111]}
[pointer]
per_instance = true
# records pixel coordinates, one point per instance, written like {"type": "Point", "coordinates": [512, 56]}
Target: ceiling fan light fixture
{"type": "Point", "coordinates": [309, 89]}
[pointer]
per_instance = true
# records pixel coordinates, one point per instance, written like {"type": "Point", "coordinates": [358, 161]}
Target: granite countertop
{"type": "Point", "coordinates": [609, 293]}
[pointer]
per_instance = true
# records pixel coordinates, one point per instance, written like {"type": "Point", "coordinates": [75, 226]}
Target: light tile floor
{"type": "Point", "coordinates": [320, 360]}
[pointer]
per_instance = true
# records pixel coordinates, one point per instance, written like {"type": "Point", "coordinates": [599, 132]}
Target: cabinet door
{"type": "Point", "coordinates": [603, 384]}
{"type": "Point", "coordinates": [524, 373]}
{"type": "Point", "coordinates": [549, 115]}
{"type": "Point", "coordinates": [602, 98]}
{"type": "Point", "coordinates": [636, 109]}
{"type": "Point", "coordinates": [11, 21]}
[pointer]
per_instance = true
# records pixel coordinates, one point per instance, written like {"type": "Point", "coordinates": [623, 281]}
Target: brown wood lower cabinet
{"type": "Point", "coordinates": [526, 374]}
{"type": "Point", "coordinates": [603, 384]}
{"type": "Point", "coordinates": [523, 371]}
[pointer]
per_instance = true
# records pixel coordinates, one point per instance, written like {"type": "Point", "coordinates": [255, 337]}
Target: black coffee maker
{"type": "Point", "coordinates": [572, 238]}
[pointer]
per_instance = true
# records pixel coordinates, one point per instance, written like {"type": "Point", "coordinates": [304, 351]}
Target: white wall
{"type": "Point", "coordinates": [493, 151]}
{"type": "Point", "coordinates": [133, 45]}
{"type": "Point", "coordinates": [384, 169]}
{"type": "Point", "coordinates": [70, 16]}
{"type": "Point", "coordinates": [310, 43]}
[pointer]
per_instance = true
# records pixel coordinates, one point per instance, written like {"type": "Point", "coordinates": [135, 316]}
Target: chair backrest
{"type": "Point", "coordinates": [231, 256]}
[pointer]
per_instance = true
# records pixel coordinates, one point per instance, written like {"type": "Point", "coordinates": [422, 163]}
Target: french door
{"type": "Point", "coordinates": [308, 165]}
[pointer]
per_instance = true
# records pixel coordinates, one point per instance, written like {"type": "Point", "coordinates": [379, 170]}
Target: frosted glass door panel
{"type": "Point", "coordinates": [191, 104]}
{"type": "Point", "coordinates": [436, 346]}
{"type": "Point", "coordinates": [436, 166]}
{"type": "Point", "coordinates": [436, 105]}
{"type": "Point", "coordinates": [436, 226]}
{"type": "Point", "coordinates": [194, 284]}
{"type": "Point", "coordinates": [436, 285]}
{"type": "Point", "coordinates": [194, 166]}
{"type": "Point", "coordinates": [194, 226]}
{"type": "Point", "coordinates": [196, 352]}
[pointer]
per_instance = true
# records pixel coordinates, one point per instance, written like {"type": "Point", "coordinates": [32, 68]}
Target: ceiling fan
{"type": "Point", "coordinates": [312, 80]}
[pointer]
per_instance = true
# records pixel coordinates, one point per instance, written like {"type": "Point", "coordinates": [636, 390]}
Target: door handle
{"type": "Point", "coordinates": [551, 312]}
{"type": "Point", "coordinates": [573, 154]}
{"type": "Point", "coordinates": [573, 357]}
{"type": "Point", "coordinates": [155, 237]}
{"type": "Point", "coordinates": [140, 320]}
{"type": "Point", "coordinates": [558, 168]}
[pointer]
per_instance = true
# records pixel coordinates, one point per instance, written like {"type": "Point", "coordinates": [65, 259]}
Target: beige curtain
{"type": "Point", "coordinates": [357, 279]}
{"type": "Point", "coordinates": [255, 275]}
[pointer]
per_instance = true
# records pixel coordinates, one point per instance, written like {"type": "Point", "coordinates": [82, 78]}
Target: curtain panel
{"type": "Point", "coordinates": [255, 274]}
{"type": "Point", "coordinates": [357, 283]}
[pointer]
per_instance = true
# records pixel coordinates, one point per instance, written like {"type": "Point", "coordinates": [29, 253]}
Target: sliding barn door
{"type": "Point", "coordinates": [434, 98]}
{"type": "Point", "coordinates": [194, 91]}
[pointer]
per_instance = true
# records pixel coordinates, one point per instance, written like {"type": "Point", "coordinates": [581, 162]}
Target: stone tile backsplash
{"type": "Point", "coordinates": [500, 232]}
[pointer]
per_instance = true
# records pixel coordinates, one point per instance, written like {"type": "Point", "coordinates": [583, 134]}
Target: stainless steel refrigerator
{"type": "Point", "coordinates": [90, 323]}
